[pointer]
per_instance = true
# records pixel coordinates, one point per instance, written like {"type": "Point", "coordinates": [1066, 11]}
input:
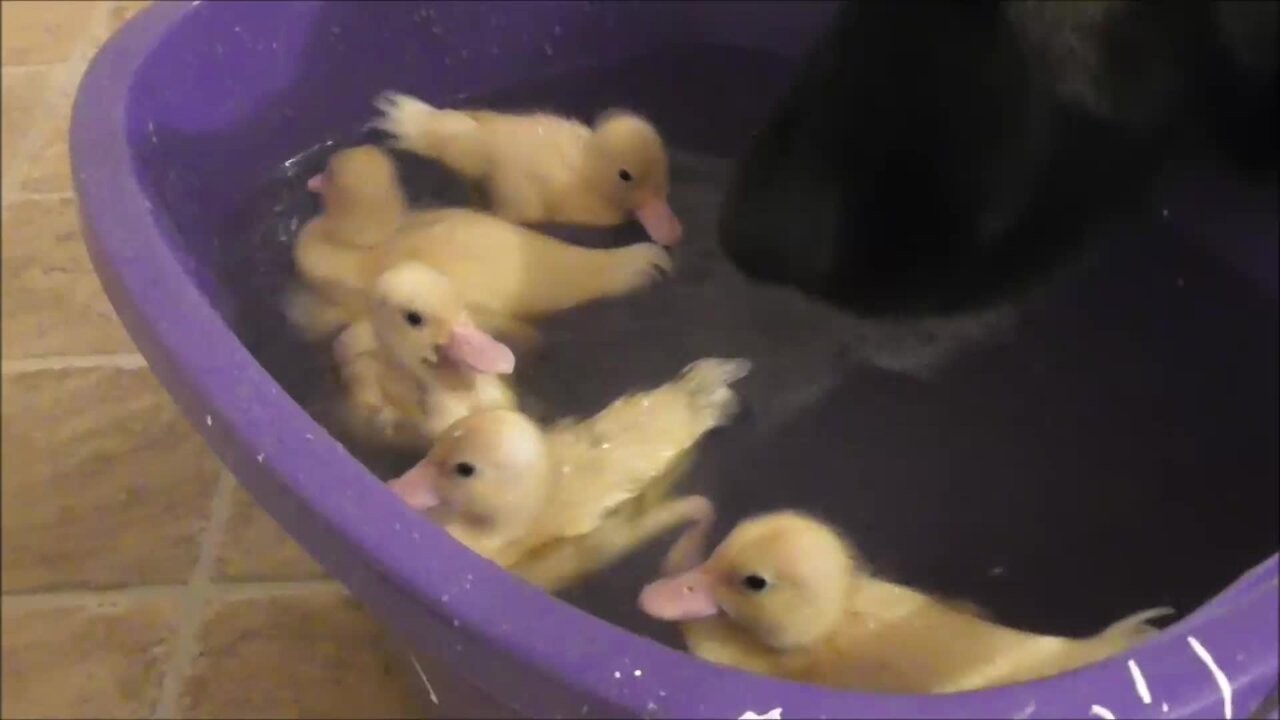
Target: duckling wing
{"type": "Point", "coordinates": [636, 441]}
{"type": "Point", "coordinates": [560, 563]}
{"type": "Point", "coordinates": [591, 478]}
{"type": "Point", "coordinates": [543, 145]}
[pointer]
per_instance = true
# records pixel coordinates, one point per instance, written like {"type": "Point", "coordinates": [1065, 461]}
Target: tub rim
{"type": "Point", "coordinates": [197, 357]}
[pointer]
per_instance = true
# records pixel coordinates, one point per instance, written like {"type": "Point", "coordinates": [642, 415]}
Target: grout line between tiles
{"type": "Point", "coordinates": [25, 67]}
{"type": "Point", "coordinates": [67, 72]}
{"type": "Point", "coordinates": [186, 643]}
{"type": "Point", "coordinates": [263, 588]}
{"type": "Point", "coordinates": [122, 361]}
{"type": "Point", "coordinates": [273, 588]}
{"type": "Point", "coordinates": [229, 589]}
{"type": "Point", "coordinates": [25, 600]}
{"type": "Point", "coordinates": [17, 196]}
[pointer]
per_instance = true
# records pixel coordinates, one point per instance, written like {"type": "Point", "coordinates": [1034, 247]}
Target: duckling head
{"type": "Point", "coordinates": [489, 470]}
{"type": "Point", "coordinates": [359, 185]}
{"type": "Point", "coordinates": [781, 577]}
{"type": "Point", "coordinates": [420, 319]}
{"type": "Point", "coordinates": [629, 164]}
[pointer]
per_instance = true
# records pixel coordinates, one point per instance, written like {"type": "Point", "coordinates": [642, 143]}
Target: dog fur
{"type": "Point", "coordinates": [934, 157]}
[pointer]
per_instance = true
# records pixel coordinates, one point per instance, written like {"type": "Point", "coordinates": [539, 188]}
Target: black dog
{"type": "Point", "coordinates": [938, 156]}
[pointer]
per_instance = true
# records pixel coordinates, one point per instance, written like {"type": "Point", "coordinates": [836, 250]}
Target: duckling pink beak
{"type": "Point", "coordinates": [316, 183]}
{"type": "Point", "coordinates": [660, 221]}
{"type": "Point", "coordinates": [473, 348]}
{"type": "Point", "coordinates": [687, 596]}
{"type": "Point", "coordinates": [417, 487]}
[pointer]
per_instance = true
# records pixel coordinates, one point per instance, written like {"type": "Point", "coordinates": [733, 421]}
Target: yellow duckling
{"type": "Point", "coordinates": [544, 168]}
{"type": "Point", "coordinates": [362, 206]}
{"type": "Point", "coordinates": [785, 595]}
{"type": "Point", "coordinates": [507, 274]}
{"type": "Point", "coordinates": [554, 505]}
{"type": "Point", "coordinates": [417, 363]}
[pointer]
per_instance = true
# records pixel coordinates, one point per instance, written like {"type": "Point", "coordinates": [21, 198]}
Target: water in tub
{"type": "Point", "coordinates": [793, 426]}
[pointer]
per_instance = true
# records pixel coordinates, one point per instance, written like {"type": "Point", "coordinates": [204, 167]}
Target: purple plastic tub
{"type": "Point", "coordinates": [185, 111]}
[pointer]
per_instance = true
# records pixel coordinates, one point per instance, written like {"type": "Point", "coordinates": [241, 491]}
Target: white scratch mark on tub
{"type": "Point", "coordinates": [456, 623]}
{"type": "Point", "coordinates": [1139, 682]}
{"type": "Point", "coordinates": [1026, 711]}
{"type": "Point", "coordinates": [309, 437]}
{"type": "Point", "coordinates": [1101, 712]}
{"type": "Point", "coordinates": [650, 706]}
{"type": "Point", "coordinates": [208, 420]}
{"type": "Point", "coordinates": [616, 675]}
{"type": "Point", "coordinates": [638, 673]}
{"type": "Point", "coordinates": [1223, 686]}
{"type": "Point", "coordinates": [260, 457]}
{"type": "Point", "coordinates": [425, 681]}
{"type": "Point", "coordinates": [774, 714]}
{"type": "Point", "coordinates": [1164, 707]}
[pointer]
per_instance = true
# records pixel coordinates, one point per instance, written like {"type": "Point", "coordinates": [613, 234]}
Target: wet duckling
{"type": "Point", "coordinates": [554, 504]}
{"type": "Point", "coordinates": [785, 595]}
{"type": "Point", "coordinates": [362, 205]}
{"type": "Point", "coordinates": [545, 168]}
{"type": "Point", "coordinates": [417, 363]}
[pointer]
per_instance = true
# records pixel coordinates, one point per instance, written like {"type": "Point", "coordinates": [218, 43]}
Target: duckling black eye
{"type": "Point", "coordinates": [754, 583]}
{"type": "Point", "coordinates": [464, 469]}
{"type": "Point", "coordinates": [413, 318]}
{"type": "Point", "coordinates": [624, 175]}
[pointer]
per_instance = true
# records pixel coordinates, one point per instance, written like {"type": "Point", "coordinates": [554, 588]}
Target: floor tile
{"type": "Point", "coordinates": [255, 547]}
{"type": "Point", "coordinates": [103, 661]}
{"type": "Point", "coordinates": [103, 483]}
{"type": "Point", "coordinates": [24, 92]}
{"type": "Point", "coordinates": [305, 655]}
{"type": "Point", "coordinates": [49, 168]}
{"type": "Point", "coordinates": [50, 298]}
{"type": "Point", "coordinates": [43, 31]}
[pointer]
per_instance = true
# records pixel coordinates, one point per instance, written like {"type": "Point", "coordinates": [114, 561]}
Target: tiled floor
{"type": "Point", "coordinates": [138, 579]}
